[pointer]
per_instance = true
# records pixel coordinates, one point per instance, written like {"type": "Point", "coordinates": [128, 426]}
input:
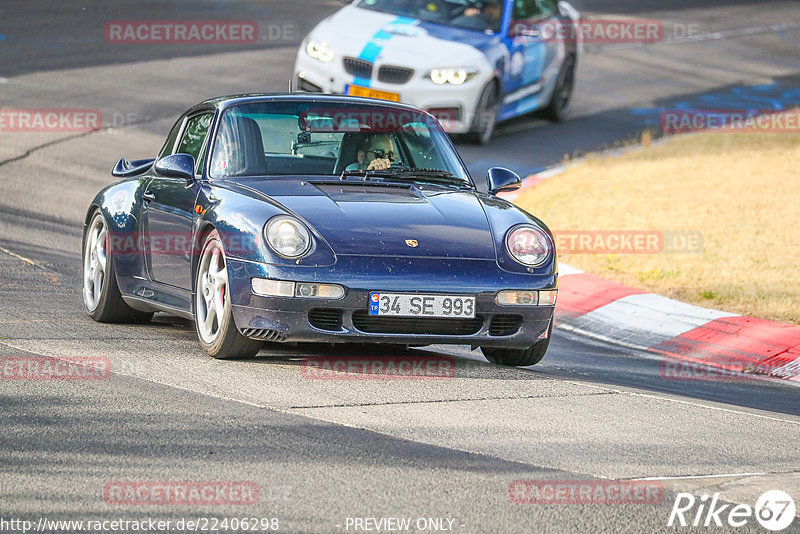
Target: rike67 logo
{"type": "Point", "coordinates": [774, 510]}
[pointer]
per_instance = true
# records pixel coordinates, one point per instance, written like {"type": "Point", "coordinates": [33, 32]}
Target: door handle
{"type": "Point", "coordinates": [147, 196]}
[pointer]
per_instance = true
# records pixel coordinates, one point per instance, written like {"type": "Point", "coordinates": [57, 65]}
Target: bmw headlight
{"type": "Point", "coordinates": [452, 76]}
{"type": "Point", "coordinates": [320, 50]}
{"type": "Point", "coordinates": [287, 236]}
{"type": "Point", "coordinates": [529, 245]}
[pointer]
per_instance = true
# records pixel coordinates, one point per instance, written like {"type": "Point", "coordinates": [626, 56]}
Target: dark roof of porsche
{"type": "Point", "coordinates": [231, 100]}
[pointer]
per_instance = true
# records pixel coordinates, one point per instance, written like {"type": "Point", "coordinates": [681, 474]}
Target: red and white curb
{"type": "Point", "coordinates": [605, 310]}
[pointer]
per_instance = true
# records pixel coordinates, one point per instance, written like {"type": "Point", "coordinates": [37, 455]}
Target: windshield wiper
{"type": "Point", "coordinates": [432, 176]}
{"type": "Point", "coordinates": [367, 174]}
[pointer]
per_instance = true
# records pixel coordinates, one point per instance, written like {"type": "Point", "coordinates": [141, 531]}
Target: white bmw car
{"type": "Point", "coordinates": [471, 63]}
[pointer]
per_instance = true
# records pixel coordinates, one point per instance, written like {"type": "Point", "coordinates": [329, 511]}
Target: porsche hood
{"type": "Point", "coordinates": [382, 219]}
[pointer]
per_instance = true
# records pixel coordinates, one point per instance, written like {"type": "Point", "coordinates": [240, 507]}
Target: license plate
{"type": "Point", "coordinates": [357, 90]}
{"type": "Point", "coordinates": [405, 305]}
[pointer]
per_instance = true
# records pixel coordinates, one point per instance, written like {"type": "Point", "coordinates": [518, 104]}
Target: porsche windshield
{"type": "Point", "coordinates": [479, 15]}
{"type": "Point", "coordinates": [318, 138]}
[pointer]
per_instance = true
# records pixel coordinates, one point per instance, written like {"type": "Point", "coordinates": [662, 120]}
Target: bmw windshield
{"type": "Point", "coordinates": [468, 14]}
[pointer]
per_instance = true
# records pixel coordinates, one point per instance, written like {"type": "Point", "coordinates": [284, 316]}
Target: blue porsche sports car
{"type": "Point", "coordinates": [319, 218]}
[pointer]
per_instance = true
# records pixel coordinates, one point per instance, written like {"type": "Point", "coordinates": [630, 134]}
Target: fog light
{"type": "Point", "coordinates": [517, 298]}
{"type": "Point", "coordinates": [272, 288]}
{"type": "Point", "coordinates": [548, 298]}
{"type": "Point", "coordinates": [319, 291]}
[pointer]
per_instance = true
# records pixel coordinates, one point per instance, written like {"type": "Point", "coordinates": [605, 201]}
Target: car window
{"type": "Point", "coordinates": [533, 9]}
{"type": "Point", "coordinates": [192, 140]}
{"type": "Point", "coordinates": [481, 15]}
{"type": "Point", "coordinates": [301, 138]}
{"type": "Point", "coordinates": [166, 150]}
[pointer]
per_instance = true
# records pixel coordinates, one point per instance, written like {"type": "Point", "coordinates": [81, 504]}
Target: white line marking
{"type": "Point", "coordinates": [704, 476]}
{"type": "Point", "coordinates": [23, 258]}
{"type": "Point", "coordinates": [716, 408]}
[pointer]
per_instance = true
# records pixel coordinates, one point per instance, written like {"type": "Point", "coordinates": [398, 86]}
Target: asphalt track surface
{"type": "Point", "coordinates": [322, 451]}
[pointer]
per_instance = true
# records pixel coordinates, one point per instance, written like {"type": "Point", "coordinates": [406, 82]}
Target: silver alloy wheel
{"type": "Point", "coordinates": [212, 290]}
{"type": "Point", "coordinates": [95, 262]}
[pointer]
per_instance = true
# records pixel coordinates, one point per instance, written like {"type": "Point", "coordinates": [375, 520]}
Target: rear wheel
{"type": "Point", "coordinates": [558, 108]}
{"type": "Point", "coordinates": [485, 116]}
{"type": "Point", "coordinates": [519, 357]}
{"type": "Point", "coordinates": [101, 296]}
{"type": "Point", "coordinates": [213, 316]}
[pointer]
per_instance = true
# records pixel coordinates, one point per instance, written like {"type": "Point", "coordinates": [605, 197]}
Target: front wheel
{"type": "Point", "coordinates": [213, 316]}
{"type": "Point", "coordinates": [559, 105]}
{"type": "Point", "coordinates": [485, 116]}
{"type": "Point", "coordinates": [519, 357]}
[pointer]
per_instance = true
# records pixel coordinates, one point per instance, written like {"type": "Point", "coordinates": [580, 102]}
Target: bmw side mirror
{"type": "Point", "coordinates": [524, 29]}
{"type": "Point", "coordinates": [176, 166]}
{"type": "Point", "coordinates": [501, 179]}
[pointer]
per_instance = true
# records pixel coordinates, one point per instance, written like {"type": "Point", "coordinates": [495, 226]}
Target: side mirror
{"type": "Point", "coordinates": [176, 166]}
{"type": "Point", "coordinates": [501, 179]}
{"type": "Point", "coordinates": [524, 29]}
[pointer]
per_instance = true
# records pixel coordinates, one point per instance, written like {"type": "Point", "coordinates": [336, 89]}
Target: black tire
{"type": "Point", "coordinates": [227, 343]}
{"type": "Point", "coordinates": [558, 107]}
{"type": "Point", "coordinates": [485, 118]}
{"type": "Point", "coordinates": [109, 307]}
{"type": "Point", "coordinates": [519, 357]}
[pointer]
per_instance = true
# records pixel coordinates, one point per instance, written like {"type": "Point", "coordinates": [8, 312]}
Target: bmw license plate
{"type": "Point", "coordinates": [405, 305]}
{"type": "Point", "coordinates": [357, 90]}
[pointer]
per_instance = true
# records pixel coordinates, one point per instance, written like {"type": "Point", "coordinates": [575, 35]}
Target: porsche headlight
{"type": "Point", "coordinates": [320, 50]}
{"type": "Point", "coordinates": [288, 237]}
{"type": "Point", "coordinates": [529, 245]}
{"type": "Point", "coordinates": [455, 76]}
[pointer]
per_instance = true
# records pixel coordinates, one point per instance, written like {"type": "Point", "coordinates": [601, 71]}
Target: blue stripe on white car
{"type": "Point", "coordinates": [376, 43]}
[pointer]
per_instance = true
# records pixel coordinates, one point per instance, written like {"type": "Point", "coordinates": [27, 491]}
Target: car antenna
{"type": "Point", "coordinates": [290, 86]}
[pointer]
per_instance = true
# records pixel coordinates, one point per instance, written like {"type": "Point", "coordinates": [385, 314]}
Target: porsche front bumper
{"type": "Point", "coordinates": [289, 319]}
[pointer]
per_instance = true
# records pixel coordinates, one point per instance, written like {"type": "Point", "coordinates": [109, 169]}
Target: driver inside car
{"type": "Point", "coordinates": [375, 152]}
{"type": "Point", "coordinates": [485, 18]}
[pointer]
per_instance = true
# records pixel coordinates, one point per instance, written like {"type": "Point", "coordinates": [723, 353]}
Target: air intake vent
{"type": "Point", "coordinates": [398, 75]}
{"type": "Point", "coordinates": [358, 67]}
{"type": "Point", "coordinates": [308, 87]}
{"type": "Point", "coordinates": [264, 334]}
{"type": "Point", "coordinates": [325, 319]}
{"type": "Point", "coordinates": [504, 325]}
{"type": "Point", "coordinates": [416, 325]}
